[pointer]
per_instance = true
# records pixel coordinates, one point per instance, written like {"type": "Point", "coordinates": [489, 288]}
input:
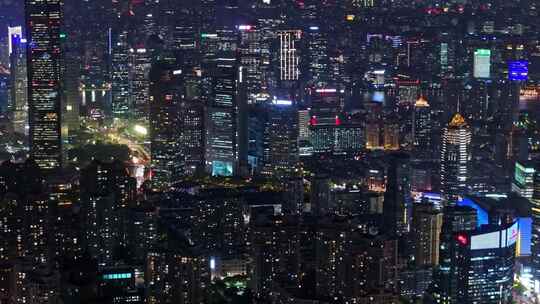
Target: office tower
{"type": "Point", "coordinates": [289, 58]}
{"type": "Point", "coordinates": [226, 122]}
{"type": "Point", "coordinates": [397, 195]}
{"type": "Point", "coordinates": [140, 84]}
{"type": "Point", "coordinates": [455, 159]}
{"type": "Point", "coordinates": [524, 174]}
{"type": "Point", "coordinates": [120, 85]}
{"type": "Point", "coordinates": [455, 219]}
{"type": "Point", "coordinates": [106, 193]}
{"type": "Point", "coordinates": [18, 105]}
{"type": "Point", "coordinates": [167, 91]}
{"type": "Point", "coordinates": [422, 128]}
{"type": "Point", "coordinates": [45, 87]}
{"type": "Point", "coordinates": [192, 118]}
{"type": "Point", "coordinates": [485, 264]}
{"type": "Point", "coordinates": [482, 63]}
{"type": "Point", "coordinates": [254, 61]}
{"type": "Point", "coordinates": [280, 142]}
{"type": "Point", "coordinates": [317, 55]}
{"type": "Point", "coordinates": [426, 228]}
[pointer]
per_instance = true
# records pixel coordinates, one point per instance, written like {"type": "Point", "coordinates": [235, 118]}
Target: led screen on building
{"type": "Point", "coordinates": [518, 70]}
{"type": "Point", "coordinates": [482, 63]}
{"type": "Point", "coordinates": [222, 168]}
{"type": "Point", "coordinates": [486, 241]}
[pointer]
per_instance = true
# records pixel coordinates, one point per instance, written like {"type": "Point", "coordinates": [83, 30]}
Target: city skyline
{"type": "Point", "coordinates": [269, 151]}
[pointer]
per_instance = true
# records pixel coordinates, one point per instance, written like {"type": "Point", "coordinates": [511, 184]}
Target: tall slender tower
{"type": "Point", "coordinates": [422, 128]}
{"type": "Point", "coordinates": [455, 159]}
{"type": "Point", "coordinates": [43, 27]}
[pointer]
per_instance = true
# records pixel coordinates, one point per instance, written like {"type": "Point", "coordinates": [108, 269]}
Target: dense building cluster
{"type": "Point", "coordinates": [269, 151]}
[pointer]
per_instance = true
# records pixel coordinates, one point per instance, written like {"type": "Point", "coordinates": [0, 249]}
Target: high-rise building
{"type": "Point", "coordinates": [226, 122]}
{"type": "Point", "coordinates": [18, 103]}
{"type": "Point", "coordinates": [397, 195]}
{"type": "Point", "coordinates": [280, 143]}
{"type": "Point", "coordinates": [289, 59]}
{"type": "Point", "coordinates": [45, 59]}
{"type": "Point", "coordinates": [422, 128]}
{"type": "Point", "coordinates": [140, 84]}
{"type": "Point", "coordinates": [121, 99]}
{"type": "Point", "coordinates": [455, 219]}
{"type": "Point", "coordinates": [455, 159]}
{"type": "Point", "coordinates": [167, 91]}
{"type": "Point", "coordinates": [485, 264]}
{"type": "Point", "coordinates": [426, 227]}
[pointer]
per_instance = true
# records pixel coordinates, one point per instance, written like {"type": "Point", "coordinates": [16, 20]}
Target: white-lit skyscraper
{"type": "Point", "coordinates": [289, 59]}
{"type": "Point", "coordinates": [455, 159]}
{"type": "Point", "coordinates": [45, 87]}
{"type": "Point", "coordinates": [18, 102]}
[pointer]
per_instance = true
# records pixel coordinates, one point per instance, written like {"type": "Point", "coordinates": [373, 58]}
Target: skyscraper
{"type": "Point", "coordinates": [427, 224]}
{"type": "Point", "coordinates": [289, 59]}
{"type": "Point", "coordinates": [455, 219]}
{"type": "Point", "coordinates": [485, 264]}
{"type": "Point", "coordinates": [395, 198]}
{"type": "Point", "coordinates": [119, 49]}
{"type": "Point", "coordinates": [455, 159]}
{"type": "Point", "coordinates": [18, 105]}
{"type": "Point", "coordinates": [280, 151]}
{"type": "Point", "coordinates": [167, 92]}
{"type": "Point", "coordinates": [44, 23]}
{"type": "Point", "coordinates": [422, 128]}
{"type": "Point", "coordinates": [226, 125]}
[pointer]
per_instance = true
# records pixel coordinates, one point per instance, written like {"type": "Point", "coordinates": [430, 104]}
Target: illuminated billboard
{"type": "Point", "coordinates": [512, 234]}
{"type": "Point", "coordinates": [222, 168]}
{"type": "Point", "coordinates": [497, 239]}
{"type": "Point", "coordinates": [518, 70]}
{"type": "Point", "coordinates": [482, 63]}
{"type": "Point", "coordinates": [486, 241]}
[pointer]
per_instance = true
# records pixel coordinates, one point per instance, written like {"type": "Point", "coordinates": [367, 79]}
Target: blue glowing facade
{"type": "Point", "coordinates": [524, 223]}
{"type": "Point", "coordinates": [518, 70]}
